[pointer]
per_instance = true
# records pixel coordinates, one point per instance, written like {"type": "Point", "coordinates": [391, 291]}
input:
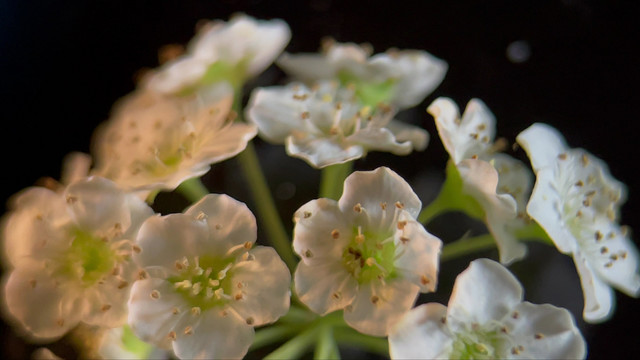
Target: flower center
{"type": "Point", "coordinates": [370, 256]}
{"type": "Point", "coordinates": [204, 282]}
{"type": "Point", "coordinates": [88, 259]}
{"type": "Point", "coordinates": [369, 93]}
{"type": "Point", "coordinates": [479, 344]}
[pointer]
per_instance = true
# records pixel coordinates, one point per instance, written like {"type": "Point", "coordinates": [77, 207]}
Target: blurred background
{"type": "Point", "coordinates": [570, 63]}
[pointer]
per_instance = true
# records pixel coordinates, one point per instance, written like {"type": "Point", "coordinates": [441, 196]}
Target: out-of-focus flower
{"type": "Point", "coordinates": [232, 52]}
{"type": "Point", "coordinates": [44, 354]}
{"type": "Point", "coordinates": [401, 78]}
{"type": "Point", "coordinates": [365, 253]}
{"type": "Point", "coordinates": [121, 343]}
{"type": "Point", "coordinates": [326, 125]}
{"type": "Point", "coordinates": [497, 181]}
{"type": "Point", "coordinates": [207, 286]}
{"type": "Point", "coordinates": [70, 254]}
{"type": "Point", "coordinates": [157, 142]}
{"type": "Point", "coordinates": [486, 319]}
{"type": "Point", "coordinates": [577, 201]}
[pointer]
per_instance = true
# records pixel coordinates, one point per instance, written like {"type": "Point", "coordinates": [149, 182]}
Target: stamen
{"type": "Point", "coordinates": [335, 234]}
{"type": "Point", "coordinates": [155, 294]}
{"type": "Point", "coordinates": [195, 310]}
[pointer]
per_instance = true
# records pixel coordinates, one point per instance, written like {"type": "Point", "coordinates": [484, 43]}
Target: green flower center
{"type": "Point", "coordinates": [371, 94]}
{"type": "Point", "coordinates": [205, 281]}
{"type": "Point", "coordinates": [370, 256]}
{"type": "Point", "coordinates": [88, 259]}
{"type": "Point", "coordinates": [477, 344]}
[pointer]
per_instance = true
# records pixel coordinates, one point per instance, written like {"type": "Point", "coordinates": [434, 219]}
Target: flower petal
{"type": "Point", "coordinates": [543, 144]}
{"type": "Point", "coordinates": [598, 296]}
{"type": "Point", "coordinates": [421, 334]}
{"type": "Point", "coordinates": [418, 137]}
{"type": "Point", "coordinates": [483, 292]}
{"type": "Point", "coordinates": [324, 287]}
{"type": "Point", "coordinates": [377, 307]}
{"type": "Point", "coordinates": [380, 139]}
{"type": "Point", "coordinates": [322, 152]}
{"type": "Point", "coordinates": [265, 289]}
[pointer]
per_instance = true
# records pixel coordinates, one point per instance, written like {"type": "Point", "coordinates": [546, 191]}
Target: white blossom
{"type": "Point", "coordinates": [486, 319]}
{"type": "Point", "coordinates": [231, 51]}
{"type": "Point", "coordinates": [70, 256]}
{"type": "Point", "coordinates": [365, 253]}
{"type": "Point", "coordinates": [207, 286]}
{"type": "Point", "coordinates": [500, 183]}
{"type": "Point", "coordinates": [326, 125]}
{"type": "Point", "coordinates": [577, 202]}
{"type": "Point", "coordinates": [121, 343]}
{"type": "Point", "coordinates": [155, 142]}
{"type": "Point", "coordinates": [402, 78]}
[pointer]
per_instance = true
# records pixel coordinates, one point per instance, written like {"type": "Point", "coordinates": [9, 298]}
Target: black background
{"type": "Point", "coordinates": [64, 63]}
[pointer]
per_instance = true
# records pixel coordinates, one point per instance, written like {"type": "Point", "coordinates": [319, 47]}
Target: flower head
{"type": "Point", "coordinates": [326, 125]}
{"type": "Point", "coordinates": [365, 253]}
{"type": "Point", "coordinates": [206, 285]}
{"type": "Point", "coordinates": [70, 254]}
{"type": "Point", "coordinates": [577, 201]}
{"type": "Point", "coordinates": [497, 181]}
{"type": "Point", "coordinates": [156, 142]}
{"type": "Point", "coordinates": [402, 78]}
{"type": "Point", "coordinates": [486, 319]}
{"type": "Point", "coordinates": [233, 52]}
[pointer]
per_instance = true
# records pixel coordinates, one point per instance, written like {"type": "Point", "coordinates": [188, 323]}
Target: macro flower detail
{"type": "Point", "coordinates": [402, 78]}
{"type": "Point", "coordinates": [486, 319]}
{"type": "Point", "coordinates": [365, 253]}
{"type": "Point", "coordinates": [231, 51]}
{"type": "Point", "coordinates": [577, 202]}
{"type": "Point", "coordinates": [498, 182]}
{"type": "Point", "coordinates": [153, 142]}
{"type": "Point", "coordinates": [326, 125]}
{"type": "Point", "coordinates": [70, 254]}
{"type": "Point", "coordinates": [207, 286]}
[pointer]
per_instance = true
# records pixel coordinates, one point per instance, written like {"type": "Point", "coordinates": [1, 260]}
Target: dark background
{"type": "Point", "coordinates": [64, 63]}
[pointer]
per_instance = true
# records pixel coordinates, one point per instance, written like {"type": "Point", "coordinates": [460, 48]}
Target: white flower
{"type": "Point", "coordinates": [365, 253]}
{"type": "Point", "coordinates": [121, 343]}
{"type": "Point", "coordinates": [326, 125]}
{"type": "Point", "coordinates": [402, 78]}
{"type": "Point", "coordinates": [499, 182]}
{"type": "Point", "coordinates": [207, 287]}
{"type": "Point", "coordinates": [232, 52]}
{"type": "Point", "coordinates": [157, 142]}
{"type": "Point", "coordinates": [486, 319]}
{"type": "Point", "coordinates": [576, 201]}
{"type": "Point", "coordinates": [70, 256]}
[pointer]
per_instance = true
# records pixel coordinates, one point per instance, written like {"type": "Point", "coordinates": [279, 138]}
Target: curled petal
{"type": "Point", "coordinates": [543, 144]}
{"type": "Point", "coordinates": [598, 296]}
{"type": "Point", "coordinates": [322, 152]}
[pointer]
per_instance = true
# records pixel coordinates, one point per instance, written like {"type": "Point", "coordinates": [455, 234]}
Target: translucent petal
{"type": "Point", "coordinates": [598, 296]}
{"type": "Point", "coordinates": [324, 287]}
{"type": "Point", "coordinates": [322, 152]}
{"type": "Point", "coordinates": [543, 144]}
{"type": "Point", "coordinates": [421, 334]}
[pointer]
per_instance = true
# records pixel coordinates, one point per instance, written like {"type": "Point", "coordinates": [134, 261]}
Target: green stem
{"type": "Point", "coordinates": [192, 189]}
{"type": "Point", "coordinates": [466, 246]}
{"type": "Point", "coordinates": [326, 347]}
{"type": "Point", "coordinates": [266, 208]}
{"type": "Point", "coordinates": [332, 180]}
{"type": "Point", "coordinates": [295, 347]}
{"type": "Point", "coordinates": [272, 334]}
{"type": "Point", "coordinates": [297, 315]}
{"type": "Point", "coordinates": [375, 345]}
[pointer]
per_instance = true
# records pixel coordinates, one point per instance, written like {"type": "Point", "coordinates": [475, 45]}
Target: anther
{"type": "Point", "coordinates": [248, 245]}
{"type": "Point", "coordinates": [218, 226]}
{"type": "Point", "coordinates": [188, 330]}
{"type": "Point", "coordinates": [335, 234]}
{"type": "Point", "coordinates": [305, 115]}
{"type": "Point", "coordinates": [474, 136]}
{"type": "Point", "coordinates": [214, 282]}
{"type": "Point", "coordinates": [208, 292]}
{"type": "Point", "coordinates": [60, 322]}
{"type": "Point", "coordinates": [306, 214]}
{"type": "Point", "coordinates": [504, 330]}
{"type": "Point", "coordinates": [136, 249]}
{"type": "Point", "coordinates": [383, 205]}
{"type": "Point", "coordinates": [374, 299]}
{"type": "Point", "coordinates": [359, 238]}
{"type": "Point", "coordinates": [238, 296]}
{"type": "Point", "coordinates": [538, 336]}
{"type": "Point", "coordinates": [399, 205]}
{"type": "Point", "coordinates": [336, 295]}
{"type": "Point", "coordinates": [172, 335]}
{"type": "Point", "coordinates": [585, 160]}
{"type": "Point", "coordinates": [424, 280]}
{"type": "Point", "coordinates": [155, 294]}
{"type": "Point", "coordinates": [201, 216]}
{"type": "Point", "coordinates": [71, 199]}
{"type": "Point", "coordinates": [175, 311]}
{"type": "Point", "coordinates": [357, 208]}
{"type": "Point", "coordinates": [195, 310]}
{"type": "Point", "coordinates": [196, 289]}
{"type": "Point", "coordinates": [404, 239]}
{"type": "Point", "coordinates": [370, 261]}
{"type": "Point", "coordinates": [604, 250]}
{"type": "Point", "coordinates": [142, 275]}
{"type": "Point", "coordinates": [562, 156]}
{"type": "Point", "coordinates": [598, 235]}
{"type": "Point", "coordinates": [515, 315]}
{"type": "Point", "coordinates": [401, 224]}
{"type": "Point", "coordinates": [122, 284]}
{"type": "Point", "coordinates": [33, 283]}
{"type": "Point", "coordinates": [105, 307]}
{"type": "Point", "coordinates": [250, 321]}
{"type": "Point", "coordinates": [308, 254]}
{"type": "Point", "coordinates": [579, 183]}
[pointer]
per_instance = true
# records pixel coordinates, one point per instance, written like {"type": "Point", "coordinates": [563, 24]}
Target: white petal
{"type": "Point", "coordinates": [380, 139]}
{"type": "Point", "coordinates": [481, 181]}
{"type": "Point", "coordinates": [485, 291]}
{"type": "Point", "coordinates": [324, 287]}
{"type": "Point", "coordinates": [514, 178]}
{"type": "Point", "coordinates": [545, 332]}
{"type": "Point", "coordinates": [215, 337]}
{"type": "Point", "coordinates": [307, 67]}
{"type": "Point", "coordinates": [265, 289]}
{"type": "Point", "coordinates": [178, 75]}
{"type": "Point", "coordinates": [377, 307]}
{"type": "Point", "coordinates": [543, 144]}
{"type": "Point", "coordinates": [153, 319]}
{"type": "Point", "coordinates": [466, 137]}
{"type": "Point", "coordinates": [417, 259]}
{"type": "Point", "coordinates": [322, 152]}
{"type": "Point", "coordinates": [46, 309]}
{"type": "Point", "coordinates": [97, 204]}
{"type": "Point", "coordinates": [167, 239]}
{"type": "Point", "coordinates": [228, 142]}
{"type": "Point", "coordinates": [421, 334]}
{"type": "Point", "coordinates": [75, 166]}
{"type": "Point", "coordinates": [314, 232]}
{"type": "Point", "coordinates": [598, 296]}
{"type": "Point", "coordinates": [372, 188]}
{"type": "Point", "coordinates": [418, 137]}
{"type": "Point", "coordinates": [230, 223]}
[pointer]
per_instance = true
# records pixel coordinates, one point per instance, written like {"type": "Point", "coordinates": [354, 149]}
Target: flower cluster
{"type": "Point", "coordinates": [93, 258]}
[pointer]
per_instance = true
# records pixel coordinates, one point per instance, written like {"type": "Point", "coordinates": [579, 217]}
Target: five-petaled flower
{"type": "Point", "coordinates": [486, 319]}
{"type": "Point", "coordinates": [70, 253]}
{"type": "Point", "coordinates": [155, 142]}
{"type": "Point", "coordinates": [576, 201]}
{"type": "Point", "coordinates": [206, 286]}
{"type": "Point", "coordinates": [326, 125]}
{"type": "Point", "coordinates": [365, 253]}
{"type": "Point", "coordinates": [497, 181]}
{"type": "Point", "coordinates": [402, 78]}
